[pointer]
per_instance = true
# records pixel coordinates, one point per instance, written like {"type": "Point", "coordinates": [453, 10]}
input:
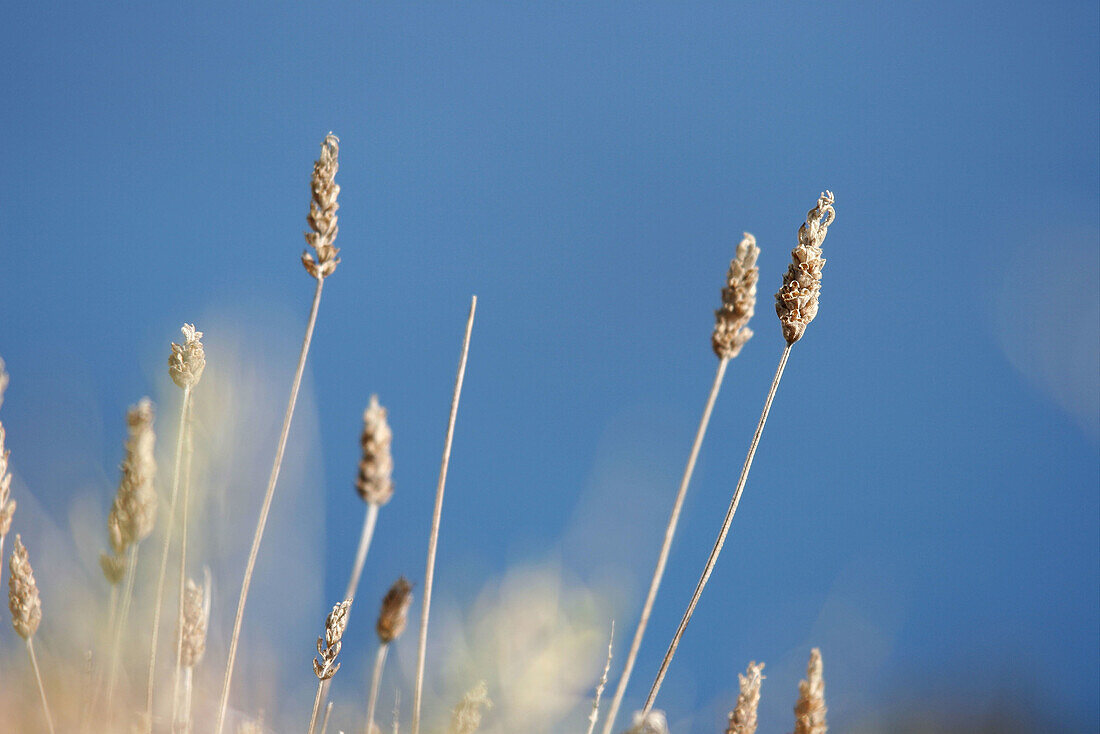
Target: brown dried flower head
{"type": "Point", "coordinates": [328, 647]}
{"type": "Point", "coordinates": [466, 717]}
{"type": "Point", "coordinates": [135, 507]}
{"type": "Point", "coordinates": [195, 609]}
{"type": "Point", "coordinates": [26, 607]}
{"type": "Point", "coordinates": [322, 212]}
{"type": "Point", "coordinates": [796, 301]}
{"type": "Point", "coordinates": [810, 710]}
{"type": "Point", "coordinates": [395, 611]}
{"type": "Point", "coordinates": [375, 480]}
{"type": "Point", "coordinates": [731, 329]}
{"type": "Point", "coordinates": [7, 504]}
{"type": "Point", "coordinates": [114, 567]}
{"type": "Point", "coordinates": [188, 360]}
{"type": "Point", "coordinates": [743, 718]}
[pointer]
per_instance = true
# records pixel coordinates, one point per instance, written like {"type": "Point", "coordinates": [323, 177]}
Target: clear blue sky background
{"type": "Point", "coordinates": [929, 479]}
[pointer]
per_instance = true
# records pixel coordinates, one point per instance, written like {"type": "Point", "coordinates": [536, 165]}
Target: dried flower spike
{"type": "Point", "coordinates": [394, 614]}
{"type": "Point", "coordinates": [7, 504]}
{"type": "Point", "coordinates": [375, 480]}
{"type": "Point", "coordinates": [743, 718]}
{"type": "Point", "coordinates": [328, 647]}
{"type": "Point", "coordinates": [193, 634]}
{"type": "Point", "coordinates": [135, 507]}
{"type": "Point", "coordinates": [796, 301]}
{"type": "Point", "coordinates": [114, 567]}
{"type": "Point", "coordinates": [810, 710]}
{"type": "Point", "coordinates": [188, 360]}
{"type": "Point", "coordinates": [26, 607]}
{"type": "Point", "coordinates": [466, 718]}
{"type": "Point", "coordinates": [322, 212]}
{"type": "Point", "coordinates": [731, 329]}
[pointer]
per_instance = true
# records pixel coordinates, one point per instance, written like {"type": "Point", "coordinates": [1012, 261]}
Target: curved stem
{"type": "Point", "coordinates": [721, 535]}
{"type": "Point", "coordinates": [185, 406]}
{"type": "Point", "coordinates": [41, 688]}
{"type": "Point", "coordinates": [375, 683]}
{"type": "Point", "coordinates": [369, 521]}
{"type": "Point", "coordinates": [666, 547]}
{"type": "Point", "coordinates": [266, 508]}
{"type": "Point", "coordinates": [433, 538]}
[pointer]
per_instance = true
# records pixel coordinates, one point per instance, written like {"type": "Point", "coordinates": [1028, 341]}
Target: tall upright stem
{"type": "Point", "coordinates": [185, 406]}
{"type": "Point", "coordinates": [189, 452]}
{"type": "Point", "coordinates": [365, 536]}
{"type": "Point", "coordinates": [666, 547]}
{"type": "Point", "coordinates": [41, 688]}
{"type": "Point", "coordinates": [375, 683]}
{"type": "Point", "coordinates": [437, 513]}
{"type": "Point", "coordinates": [324, 720]}
{"type": "Point", "coordinates": [721, 535]}
{"type": "Point", "coordinates": [120, 624]}
{"type": "Point", "coordinates": [266, 507]}
{"type": "Point", "coordinates": [316, 706]}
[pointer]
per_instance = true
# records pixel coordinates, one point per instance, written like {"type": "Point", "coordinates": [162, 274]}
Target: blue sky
{"type": "Point", "coordinates": [926, 501]}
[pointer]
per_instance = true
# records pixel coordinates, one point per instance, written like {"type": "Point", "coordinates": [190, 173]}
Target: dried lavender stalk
{"type": "Point", "coordinates": [466, 717]}
{"type": "Point", "coordinates": [731, 332]}
{"type": "Point", "coordinates": [743, 718]}
{"type": "Point", "coordinates": [7, 504]}
{"type": "Point", "coordinates": [392, 619]}
{"type": "Point", "coordinates": [374, 482]}
{"type": "Point", "coordinates": [806, 265]}
{"type": "Point", "coordinates": [328, 647]}
{"type": "Point", "coordinates": [810, 710]}
{"type": "Point", "coordinates": [26, 612]}
{"type": "Point", "coordinates": [594, 716]}
{"type": "Point", "coordinates": [437, 514]}
{"type": "Point", "coordinates": [322, 221]}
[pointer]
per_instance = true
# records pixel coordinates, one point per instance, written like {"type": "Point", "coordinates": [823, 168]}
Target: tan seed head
{"type": "Point", "coordinates": [743, 718]}
{"type": "Point", "coordinates": [135, 507]}
{"type": "Point", "coordinates": [395, 611]}
{"type": "Point", "coordinates": [375, 480]}
{"type": "Point", "coordinates": [26, 607]}
{"type": "Point", "coordinates": [328, 647]}
{"type": "Point", "coordinates": [731, 329]}
{"type": "Point", "coordinates": [466, 717]}
{"type": "Point", "coordinates": [188, 360]}
{"type": "Point", "coordinates": [322, 212]}
{"type": "Point", "coordinates": [194, 625]}
{"type": "Point", "coordinates": [7, 504]}
{"type": "Point", "coordinates": [810, 710]}
{"type": "Point", "coordinates": [796, 301]}
{"type": "Point", "coordinates": [114, 567]}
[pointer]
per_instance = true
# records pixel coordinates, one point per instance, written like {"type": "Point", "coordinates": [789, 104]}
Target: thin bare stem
{"type": "Point", "coordinates": [316, 706]}
{"type": "Point", "coordinates": [666, 547]}
{"type": "Point", "coordinates": [189, 452]}
{"type": "Point", "coordinates": [595, 715]}
{"type": "Point", "coordinates": [437, 513]}
{"type": "Point", "coordinates": [181, 710]}
{"type": "Point", "coordinates": [266, 508]}
{"type": "Point", "coordinates": [375, 683]}
{"type": "Point", "coordinates": [41, 688]}
{"type": "Point", "coordinates": [324, 721]}
{"type": "Point", "coordinates": [169, 526]}
{"type": "Point", "coordinates": [721, 535]}
{"type": "Point", "coordinates": [365, 536]}
{"type": "Point", "coordinates": [120, 623]}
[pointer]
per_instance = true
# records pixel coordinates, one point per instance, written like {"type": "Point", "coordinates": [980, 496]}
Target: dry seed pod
{"type": "Point", "coordinates": [466, 717]}
{"type": "Point", "coordinates": [194, 625]}
{"type": "Point", "coordinates": [114, 567]}
{"type": "Point", "coordinates": [375, 480]}
{"type": "Point", "coordinates": [322, 212]}
{"type": "Point", "coordinates": [796, 301]}
{"type": "Point", "coordinates": [188, 360]}
{"type": "Point", "coordinates": [135, 506]}
{"type": "Point", "coordinates": [743, 718]}
{"type": "Point", "coordinates": [328, 647]}
{"type": "Point", "coordinates": [731, 329]}
{"type": "Point", "coordinates": [26, 607]}
{"type": "Point", "coordinates": [810, 710]}
{"type": "Point", "coordinates": [395, 611]}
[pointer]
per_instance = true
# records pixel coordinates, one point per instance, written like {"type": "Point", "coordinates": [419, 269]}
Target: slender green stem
{"type": "Point", "coordinates": [437, 513]}
{"type": "Point", "coordinates": [41, 688]}
{"type": "Point", "coordinates": [666, 547]}
{"type": "Point", "coordinates": [721, 535]}
{"type": "Point", "coordinates": [169, 526]}
{"type": "Point", "coordinates": [269, 493]}
{"type": "Point", "coordinates": [375, 683]}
